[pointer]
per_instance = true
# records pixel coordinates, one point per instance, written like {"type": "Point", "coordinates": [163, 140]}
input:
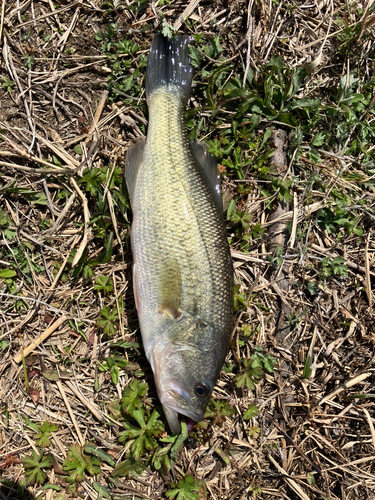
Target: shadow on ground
{"type": "Point", "coordinates": [11, 490]}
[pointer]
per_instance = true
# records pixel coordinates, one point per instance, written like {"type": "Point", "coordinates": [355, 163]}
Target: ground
{"type": "Point", "coordinates": [283, 95]}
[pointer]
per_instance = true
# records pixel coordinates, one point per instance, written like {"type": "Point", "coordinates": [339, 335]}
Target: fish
{"type": "Point", "coordinates": [182, 268]}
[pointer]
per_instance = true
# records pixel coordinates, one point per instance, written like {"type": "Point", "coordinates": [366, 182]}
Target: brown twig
{"type": "Point", "coordinates": [25, 352]}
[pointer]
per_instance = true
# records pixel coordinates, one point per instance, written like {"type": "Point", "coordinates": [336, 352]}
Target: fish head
{"type": "Point", "coordinates": [186, 367]}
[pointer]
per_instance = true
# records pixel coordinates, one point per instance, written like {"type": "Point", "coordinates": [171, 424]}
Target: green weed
{"type": "Point", "coordinates": [168, 30]}
{"type": "Point", "coordinates": [187, 488]}
{"type": "Point", "coordinates": [100, 454]}
{"type": "Point", "coordinates": [340, 219]}
{"type": "Point", "coordinates": [270, 95]}
{"type": "Point", "coordinates": [113, 365]}
{"type": "Point", "coordinates": [121, 58]}
{"type": "Point", "coordinates": [334, 266]}
{"type": "Point", "coordinates": [76, 325]}
{"type": "Point", "coordinates": [29, 61]}
{"type": "Point", "coordinates": [108, 321]}
{"type": "Point", "coordinates": [253, 431]}
{"type": "Point", "coordinates": [76, 465]}
{"type": "Point", "coordinates": [240, 302]}
{"type": "Point", "coordinates": [254, 369]}
{"type": "Point", "coordinates": [251, 412]}
{"type": "Point", "coordinates": [250, 376]}
{"type": "Point", "coordinates": [103, 284]}
{"type": "Point", "coordinates": [132, 397]}
{"type": "Point", "coordinates": [4, 344]}
{"type": "Point", "coordinates": [7, 84]}
{"type": "Point", "coordinates": [165, 457]}
{"type": "Point", "coordinates": [34, 466]}
{"type": "Point", "coordinates": [45, 430]}
{"type": "Point", "coordinates": [127, 468]}
{"type": "Point", "coordinates": [312, 288]}
{"type": "Point", "coordinates": [255, 490]}
{"type": "Point", "coordinates": [7, 273]}
{"type": "Point", "coordinates": [240, 217]}
{"type": "Point", "coordinates": [141, 438]}
{"type": "Point", "coordinates": [84, 267]}
{"type": "Point", "coordinates": [117, 361]}
{"type": "Point", "coordinates": [216, 413]}
{"type": "Point", "coordinates": [277, 258]}
{"type": "Point", "coordinates": [307, 371]}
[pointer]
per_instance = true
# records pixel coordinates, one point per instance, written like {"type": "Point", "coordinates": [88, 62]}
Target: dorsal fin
{"type": "Point", "coordinates": [209, 168]}
{"type": "Point", "coordinates": [134, 160]}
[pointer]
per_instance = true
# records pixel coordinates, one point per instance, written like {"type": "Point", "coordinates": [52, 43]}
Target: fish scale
{"type": "Point", "coordinates": [183, 278]}
{"type": "Point", "coordinates": [177, 211]}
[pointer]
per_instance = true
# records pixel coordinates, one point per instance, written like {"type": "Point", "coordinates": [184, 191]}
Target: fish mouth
{"type": "Point", "coordinates": [175, 402]}
{"type": "Point", "coordinates": [173, 417]}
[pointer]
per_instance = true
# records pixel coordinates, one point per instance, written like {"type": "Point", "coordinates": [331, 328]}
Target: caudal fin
{"type": "Point", "coordinates": [169, 65]}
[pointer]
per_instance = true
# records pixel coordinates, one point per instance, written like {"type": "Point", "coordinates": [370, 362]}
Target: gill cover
{"type": "Point", "coordinates": [185, 369]}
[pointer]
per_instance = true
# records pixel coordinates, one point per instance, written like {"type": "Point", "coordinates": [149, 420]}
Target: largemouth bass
{"type": "Point", "coordinates": [182, 271]}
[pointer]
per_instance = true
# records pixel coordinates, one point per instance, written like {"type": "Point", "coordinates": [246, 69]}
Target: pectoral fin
{"type": "Point", "coordinates": [209, 168]}
{"type": "Point", "coordinates": [134, 160]}
{"type": "Point", "coordinates": [170, 289]}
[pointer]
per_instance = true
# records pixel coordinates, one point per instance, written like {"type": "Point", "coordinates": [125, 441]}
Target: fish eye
{"type": "Point", "coordinates": [202, 389]}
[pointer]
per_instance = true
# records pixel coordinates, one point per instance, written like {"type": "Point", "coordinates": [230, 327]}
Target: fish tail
{"type": "Point", "coordinates": [169, 66]}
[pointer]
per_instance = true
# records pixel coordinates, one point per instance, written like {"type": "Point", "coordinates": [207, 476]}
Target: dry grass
{"type": "Point", "coordinates": [315, 440]}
